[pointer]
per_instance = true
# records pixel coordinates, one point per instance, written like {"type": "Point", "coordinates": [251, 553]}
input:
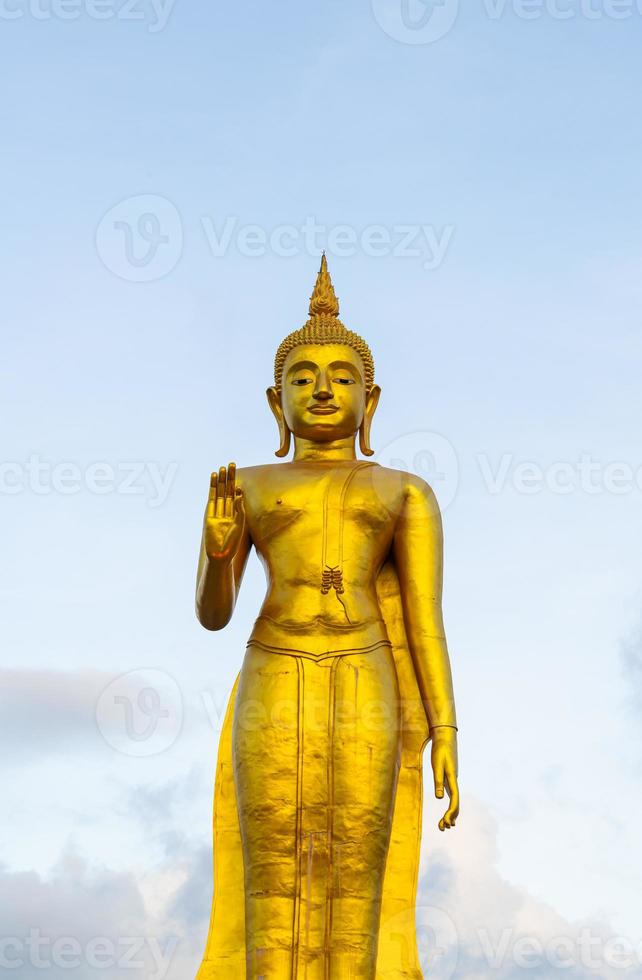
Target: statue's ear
{"type": "Point", "coordinates": [372, 400]}
{"type": "Point", "coordinates": [274, 401]}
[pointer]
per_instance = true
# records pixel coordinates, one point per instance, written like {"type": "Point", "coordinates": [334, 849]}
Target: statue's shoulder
{"type": "Point", "coordinates": [410, 486]}
{"type": "Point", "coordinates": [252, 476]}
{"type": "Point", "coordinates": [407, 481]}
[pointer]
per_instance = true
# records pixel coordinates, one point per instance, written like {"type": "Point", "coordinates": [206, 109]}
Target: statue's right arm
{"type": "Point", "coordinates": [225, 546]}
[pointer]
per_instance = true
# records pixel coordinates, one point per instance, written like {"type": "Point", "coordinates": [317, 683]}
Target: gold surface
{"type": "Point", "coordinates": [346, 676]}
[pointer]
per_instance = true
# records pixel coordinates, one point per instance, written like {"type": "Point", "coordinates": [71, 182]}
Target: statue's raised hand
{"type": "Point", "coordinates": [224, 517]}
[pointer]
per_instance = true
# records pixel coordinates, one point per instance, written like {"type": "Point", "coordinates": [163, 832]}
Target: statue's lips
{"type": "Point", "coordinates": [323, 409]}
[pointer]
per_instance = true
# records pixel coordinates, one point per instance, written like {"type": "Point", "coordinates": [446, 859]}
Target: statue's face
{"type": "Point", "coordinates": [323, 392]}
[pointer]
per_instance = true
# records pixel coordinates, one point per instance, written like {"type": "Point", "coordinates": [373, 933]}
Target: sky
{"type": "Point", "coordinates": [170, 173]}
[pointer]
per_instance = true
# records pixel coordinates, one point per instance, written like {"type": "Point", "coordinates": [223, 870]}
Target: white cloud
{"type": "Point", "coordinates": [93, 922]}
{"type": "Point", "coordinates": [502, 931]}
{"type": "Point", "coordinates": [42, 711]}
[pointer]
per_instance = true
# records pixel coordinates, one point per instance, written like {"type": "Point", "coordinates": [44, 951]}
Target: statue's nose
{"type": "Point", "coordinates": [322, 391]}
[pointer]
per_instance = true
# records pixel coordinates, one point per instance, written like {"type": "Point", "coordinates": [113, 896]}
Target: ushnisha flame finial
{"type": "Point", "coordinates": [324, 327]}
{"type": "Point", "coordinates": [324, 299]}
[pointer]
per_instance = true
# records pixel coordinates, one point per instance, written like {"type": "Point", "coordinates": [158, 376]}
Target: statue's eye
{"type": "Point", "coordinates": [344, 381]}
{"type": "Point", "coordinates": [302, 381]}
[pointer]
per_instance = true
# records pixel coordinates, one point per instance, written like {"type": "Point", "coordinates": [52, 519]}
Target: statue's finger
{"type": "Point", "coordinates": [438, 775]}
{"type": "Point", "coordinates": [230, 488]}
{"type": "Point", "coordinates": [220, 492]}
{"type": "Point", "coordinates": [231, 480]}
{"type": "Point", "coordinates": [211, 497]}
{"type": "Point", "coordinates": [453, 792]}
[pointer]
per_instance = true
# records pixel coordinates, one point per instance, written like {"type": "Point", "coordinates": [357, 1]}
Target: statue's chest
{"type": "Point", "coordinates": [332, 512]}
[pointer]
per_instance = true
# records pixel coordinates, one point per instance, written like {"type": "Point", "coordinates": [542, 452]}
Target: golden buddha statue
{"type": "Point", "coordinates": [346, 676]}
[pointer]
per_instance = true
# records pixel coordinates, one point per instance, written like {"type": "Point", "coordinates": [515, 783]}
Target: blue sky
{"type": "Point", "coordinates": [168, 181]}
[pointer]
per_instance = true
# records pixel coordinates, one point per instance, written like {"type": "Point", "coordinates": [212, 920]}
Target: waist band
{"type": "Point", "coordinates": [318, 638]}
{"type": "Point", "coordinates": [323, 655]}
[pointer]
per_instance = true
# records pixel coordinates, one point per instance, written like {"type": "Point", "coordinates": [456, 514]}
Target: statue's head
{"type": "Point", "coordinates": [324, 386]}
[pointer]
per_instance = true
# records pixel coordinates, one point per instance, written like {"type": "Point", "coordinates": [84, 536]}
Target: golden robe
{"type": "Point", "coordinates": [324, 876]}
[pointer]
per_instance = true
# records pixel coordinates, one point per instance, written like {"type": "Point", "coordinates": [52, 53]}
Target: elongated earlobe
{"type": "Point", "coordinates": [274, 401]}
{"type": "Point", "coordinates": [364, 429]}
{"type": "Point", "coordinates": [285, 435]}
{"type": "Point", "coordinates": [364, 438]}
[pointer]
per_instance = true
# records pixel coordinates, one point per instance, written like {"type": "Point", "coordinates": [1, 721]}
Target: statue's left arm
{"type": "Point", "coordinates": [418, 557]}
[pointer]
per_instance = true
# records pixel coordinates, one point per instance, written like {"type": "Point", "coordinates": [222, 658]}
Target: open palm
{"type": "Point", "coordinates": [224, 516]}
